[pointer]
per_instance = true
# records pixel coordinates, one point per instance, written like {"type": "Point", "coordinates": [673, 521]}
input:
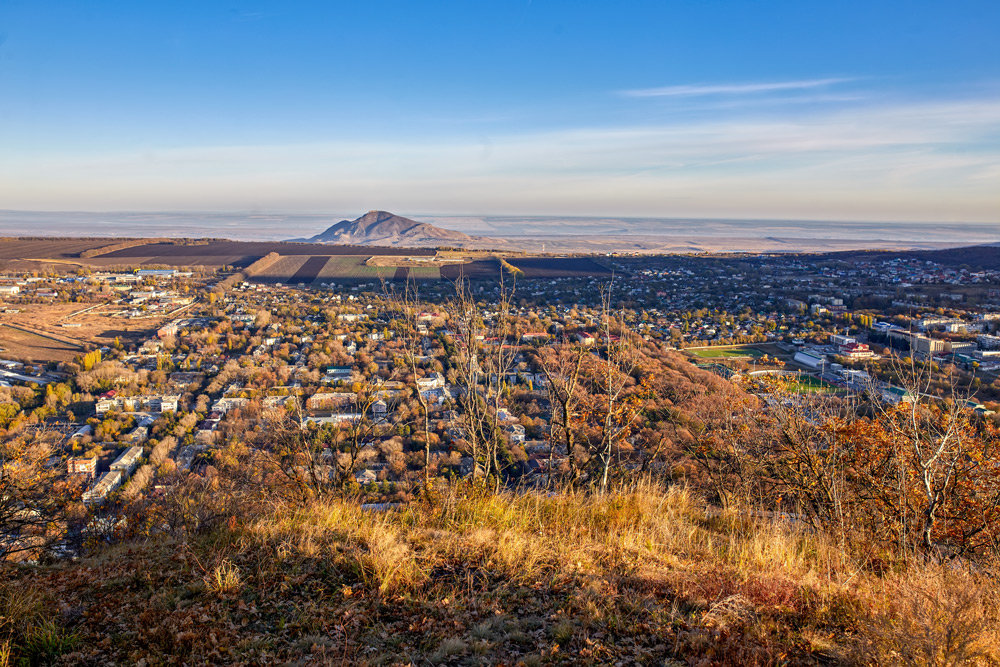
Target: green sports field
{"type": "Point", "coordinates": [806, 384]}
{"type": "Point", "coordinates": [735, 352]}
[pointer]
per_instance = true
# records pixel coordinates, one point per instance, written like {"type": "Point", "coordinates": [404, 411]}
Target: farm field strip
{"type": "Point", "coordinates": [352, 267]}
{"type": "Point", "coordinates": [261, 248]}
{"type": "Point", "coordinates": [558, 267]}
{"type": "Point", "coordinates": [425, 272]}
{"type": "Point", "coordinates": [49, 248]}
{"type": "Point", "coordinates": [282, 270]}
{"type": "Point", "coordinates": [309, 270]}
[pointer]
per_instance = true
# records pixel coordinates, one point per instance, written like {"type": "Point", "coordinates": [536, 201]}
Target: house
{"type": "Point", "coordinates": [325, 400]}
{"type": "Point", "coordinates": [337, 418]}
{"type": "Point", "coordinates": [437, 396]}
{"type": "Point", "coordinates": [896, 395]}
{"type": "Point", "coordinates": [138, 436]}
{"type": "Point", "coordinates": [841, 341]}
{"type": "Point", "coordinates": [224, 405]}
{"type": "Point", "coordinates": [277, 401]}
{"type": "Point", "coordinates": [165, 403]}
{"type": "Point", "coordinates": [128, 461]}
{"type": "Point", "coordinates": [168, 330]}
{"type": "Point", "coordinates": [856, 351]}
{"type": "Point", "coordinates": [82, 466]}
{"type": "Point", "coordinates": [433, 381]}
{"type": "Point", "coordinates": [338, 374]}
{"type": "Point", "coordinates": [99, 492]}
{"type": "Point", "coordinates": [515, 431]}
{"type": "Point", "coordinates": [366, 476]}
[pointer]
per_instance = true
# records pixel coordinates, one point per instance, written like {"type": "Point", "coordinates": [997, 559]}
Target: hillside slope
{"type": "Point", "coordinates": [636, 576]}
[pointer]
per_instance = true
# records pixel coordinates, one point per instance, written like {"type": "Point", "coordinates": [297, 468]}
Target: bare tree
{"type": "Point", "coordinates": [563, 367]}
{"type": "Point", "coordinates": [487, 347]}
{"type": "Point", "coordinates": [930, 436]}
{"type": "Point", "coordinates": [617, 407]}
{"type": "Point", "coordinates": [406, 330]}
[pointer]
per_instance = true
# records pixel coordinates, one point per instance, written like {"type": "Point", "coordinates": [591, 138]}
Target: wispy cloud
{"type": "Point", "coordinates": [913, 160]}
{"type": "Point", "coordinates": [698, 90]}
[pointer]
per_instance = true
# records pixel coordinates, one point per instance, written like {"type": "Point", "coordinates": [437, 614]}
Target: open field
{"type": "Point", "coordinates": [38, 333]}
{"type": "Point", "coordinates": [726, 352]}
{"type": "Point", "coordinates": [20, 344]}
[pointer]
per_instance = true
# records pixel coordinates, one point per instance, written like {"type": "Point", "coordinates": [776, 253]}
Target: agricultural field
{"type": "Point", "coordinates": [559, 267]}
{"type": "Point", "coordinates": [280, 271]}
{"type": "Point", "coordinates": [305, 263]}
{"type": "Point", "coordinates": [26, 248]}
{"type": "Point", "coordinates": [187, 253]}
{"type": "Point", "coordinates": [726, 352]}
{"type": "Point", "coordinates": [480, 269]}
{"type": "Point", "coordinates": [425, 272]}
{"type": "Point", "coordinates": [353, 267]}
{"type": "Point", "coordinates": [309, 270]}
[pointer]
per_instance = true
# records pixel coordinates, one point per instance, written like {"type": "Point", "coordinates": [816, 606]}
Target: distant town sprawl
{"type": "Point", "coordinates": [131, 379]}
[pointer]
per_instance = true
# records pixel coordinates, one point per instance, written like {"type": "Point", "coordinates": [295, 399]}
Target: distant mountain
{"type": "Point", "coordinates": [381, 228]}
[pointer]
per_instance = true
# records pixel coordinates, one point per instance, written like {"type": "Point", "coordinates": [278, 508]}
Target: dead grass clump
{"type": "Point", "coordinates": [19, 607]}
{"type": "Point", "coordinates": [224, 579]}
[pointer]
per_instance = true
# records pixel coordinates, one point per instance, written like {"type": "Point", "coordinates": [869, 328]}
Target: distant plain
{"type": "Point", "coordinates": [528, 233]}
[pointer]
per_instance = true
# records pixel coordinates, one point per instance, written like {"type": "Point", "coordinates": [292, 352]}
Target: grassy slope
{"type": "Point", "coordinates": [641, 576]}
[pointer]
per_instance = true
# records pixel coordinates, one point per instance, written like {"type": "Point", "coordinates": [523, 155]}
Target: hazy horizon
{"type": "Point", "coordinates": [274, 226]}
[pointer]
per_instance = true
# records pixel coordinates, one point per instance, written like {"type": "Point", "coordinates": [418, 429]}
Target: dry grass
{"type": "Point", "coordinates": [733, 573]}
{"type": "Point", "coordinates": [640, 574]}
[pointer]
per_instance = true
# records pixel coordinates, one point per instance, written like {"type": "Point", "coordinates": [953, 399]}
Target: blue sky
{"type": "Point", "coordinates": [798, 109]}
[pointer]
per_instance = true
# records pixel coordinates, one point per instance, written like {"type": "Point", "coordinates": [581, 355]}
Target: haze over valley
{"type": "Point", "coordinates": [527, 233]}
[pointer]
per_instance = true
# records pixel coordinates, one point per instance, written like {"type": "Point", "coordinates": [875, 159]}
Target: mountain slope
{"type": "Point", "coordinates": [381, 228]}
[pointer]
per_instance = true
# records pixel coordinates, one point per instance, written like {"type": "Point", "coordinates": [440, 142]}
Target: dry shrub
{"type": "Point", "coordinates": [732, 611]}
{"type": "Point", "coordinates": [936, 615]}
